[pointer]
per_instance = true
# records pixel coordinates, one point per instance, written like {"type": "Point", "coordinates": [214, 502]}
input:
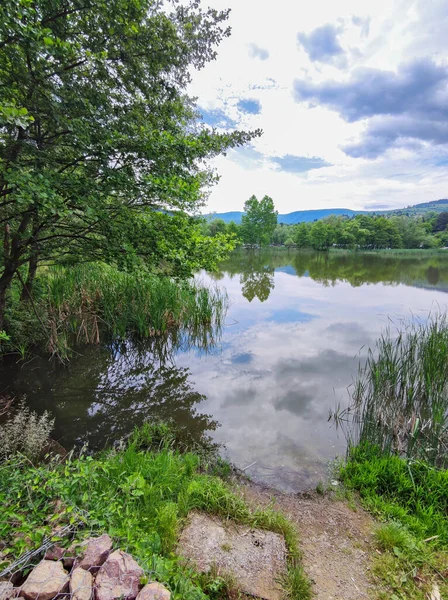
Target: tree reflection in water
{"type": "Point", "coordinates": [105, 392]}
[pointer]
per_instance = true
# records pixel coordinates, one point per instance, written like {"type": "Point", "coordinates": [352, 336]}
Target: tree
{"type": "Point", "coordinates": [234, 231]}
{"type": "Point", "coordinates": [320, 235]}
{"type": "Point", "coordinates": [96, 131]}
{"type": "Point", "coordinates": [301, 237]}
{"type": "Point", "coordinates": [218, 226]}
{"type": "Point", "coordinates": [258, 224]}
{"type": "Point", "coordinates": [441, 222]}
{"type": "Point", "coordinates": [280, 234]}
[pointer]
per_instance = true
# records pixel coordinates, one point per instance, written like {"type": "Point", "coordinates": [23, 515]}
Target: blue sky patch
{"type": "Point", "coordinates": [299, 164]}
{"type": "Point", "coordinates": [249, 105]}
{"type": "Point", "coordinates": [217, 118]}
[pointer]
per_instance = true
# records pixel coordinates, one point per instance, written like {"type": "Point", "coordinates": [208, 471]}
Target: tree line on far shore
{"type": "Point", "coordinates": [259, 227]}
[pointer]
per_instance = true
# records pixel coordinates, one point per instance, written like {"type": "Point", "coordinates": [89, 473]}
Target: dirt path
{"type": "Point", "coordinates": [335, 540]}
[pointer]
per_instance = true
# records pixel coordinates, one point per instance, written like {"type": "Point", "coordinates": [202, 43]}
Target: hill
{"type": "Point", "coordinates": [298, 216]}
{"type": "Point", "coordinates": [307, 216]}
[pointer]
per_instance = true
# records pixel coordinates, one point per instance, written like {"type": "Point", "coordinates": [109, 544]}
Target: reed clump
{"type": "Point", "coordinates": [400, 397]}
{"type": "Point", "coordinates": [86, 303]}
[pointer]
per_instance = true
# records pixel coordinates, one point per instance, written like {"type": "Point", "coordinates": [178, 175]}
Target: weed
{"type": "Point", "coordinates": [25, 432]}
{"type": "Point", "coordinates": [400, 398]}
{"type": "Point", "coordinates": [320, 488]}
{"type": "Point", "coordinates": [393, 535]}
{"type": "Point", "coordinates": [296, 585]}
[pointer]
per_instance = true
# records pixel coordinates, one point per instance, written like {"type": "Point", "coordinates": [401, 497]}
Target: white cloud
{"type": "Point", "coordinates": [261, 61]}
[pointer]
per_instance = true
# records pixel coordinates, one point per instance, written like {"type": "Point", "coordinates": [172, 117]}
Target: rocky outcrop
{"type": "Point", "coordinates": [119, 577]}
{"type": "Point", "coordinates": [154, 591]}
{"type": "Point", "coordinates": [46, 580]}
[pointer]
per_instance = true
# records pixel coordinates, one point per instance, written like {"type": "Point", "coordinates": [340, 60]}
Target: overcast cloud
{"type": "Point", "coordinates": [352, 98]}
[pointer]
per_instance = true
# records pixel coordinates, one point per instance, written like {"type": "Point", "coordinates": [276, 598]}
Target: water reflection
{"type": "Point", "coordinates": [256, 269]}
{"type": "Point", "coordinates": [297, 328]}
{"type": "Point", "coordinates": [105, 392]}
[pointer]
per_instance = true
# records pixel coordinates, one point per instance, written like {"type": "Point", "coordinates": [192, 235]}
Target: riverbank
{"type": "Point", "coordinates": [140, 494]}
{"type": "Point", "coordinates": [388, 542]}
{"type": "Point", "coordinates": [414, 252]}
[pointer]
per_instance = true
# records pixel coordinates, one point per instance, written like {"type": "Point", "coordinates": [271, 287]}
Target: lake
{"type": "Point", "coordinates": [298, 325]}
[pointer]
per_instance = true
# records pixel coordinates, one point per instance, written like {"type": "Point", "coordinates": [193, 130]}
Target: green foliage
{"type": "Point", "coordinates": [259, 222]}
{"type": "Point", "coordinates": [139, 497]}
{"type": "Point", "coordinates": [440, 222]}
{"type": "Point", "coordinates": [297, 585]}
{"type": "Point", "coordinates": [393, 535]}
{"type": "Point", "coordinates": [102, 153]}
{"type": "Point", "coordinates": [399, 463]}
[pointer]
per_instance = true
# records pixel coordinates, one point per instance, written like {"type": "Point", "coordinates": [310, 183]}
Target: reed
{"type": "Point", "coordinates": [400, 397]}
{"type": "Point", "coordinates": [88, 303]}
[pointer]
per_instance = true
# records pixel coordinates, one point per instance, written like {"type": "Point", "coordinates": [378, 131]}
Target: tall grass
{"type": "Point", "coordinates": [400, 397]}
{"type": "Point", "coordinates": [82, 304]}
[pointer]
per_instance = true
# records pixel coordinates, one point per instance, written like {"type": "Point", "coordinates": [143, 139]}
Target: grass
{"type": "Point", "coordinates": [390, 251]}
{"type": "Point", "coordinates": [85, 303]}
{"type": "Point", "coordinates": [140, 495]}
{"type": "Point", "coordinates": [411, 498]}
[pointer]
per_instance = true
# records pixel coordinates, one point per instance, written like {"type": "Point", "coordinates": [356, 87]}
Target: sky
{"type": "Point", "coordinates": [351, 95]}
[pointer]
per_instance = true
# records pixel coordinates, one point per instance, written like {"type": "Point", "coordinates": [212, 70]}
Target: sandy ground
{"type": "Point", "coordinates": [335, 540]}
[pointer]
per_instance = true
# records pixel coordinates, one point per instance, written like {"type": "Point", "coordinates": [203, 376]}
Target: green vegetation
{"type": "Point", "coordinates": [397, 456]}
{"type": "Point", "coordinates": [400, 400]}
{"type": "Point", "coordinates": [412, 498]}
{"type": "Point", "coordinates": [102, 153]}
{"type": "Point", "coordinates": [411, 492]}
{"type": "Point", "coordinates": [140, 495]}
{"type": "Point", "coordinates": [359, 232]}
{"type": "Point", "coordinates": [259, 221]}
{"type": "Point", "coordinates": [86, 303]}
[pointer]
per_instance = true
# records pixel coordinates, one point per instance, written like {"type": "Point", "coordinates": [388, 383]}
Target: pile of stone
{"type": "Point", "coordinates": [95, 573]}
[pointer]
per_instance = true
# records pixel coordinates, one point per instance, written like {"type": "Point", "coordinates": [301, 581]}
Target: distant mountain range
{"type": "Point", "coordinates": [307, 216]}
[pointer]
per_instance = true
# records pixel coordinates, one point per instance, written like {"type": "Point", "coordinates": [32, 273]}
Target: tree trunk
{"type": "Point", "coordinates": [32, 268]}
{"type": "Point", "coordinates": [5, 282]}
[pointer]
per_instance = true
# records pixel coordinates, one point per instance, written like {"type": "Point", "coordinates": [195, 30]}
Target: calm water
{"type": "Point", "coordinates": [298, 325]}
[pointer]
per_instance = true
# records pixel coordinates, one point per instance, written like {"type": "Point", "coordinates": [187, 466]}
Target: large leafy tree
{"type": "Point", "coordinates": [97, 134]}
{"type": "Point", "coordinates": [259, 221]}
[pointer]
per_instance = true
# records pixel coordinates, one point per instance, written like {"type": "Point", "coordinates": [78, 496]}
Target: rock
{"type": "Point", "coordinates": [46, 580]}
{"type": "Point", "coordinates": [119, 577]}
{"type": "Point", "coordinates": [54, 553]}
{"type": "Point", "coordinates": [96, 552]}
{"type": "Point", "coordinates": [255, 558]}
{"type": "Point", "coordinates": [81, 583]}
{"type": "Point", "coordinates": [6, 590]}
{"type": "Point", "coordinates": [154, 591]}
